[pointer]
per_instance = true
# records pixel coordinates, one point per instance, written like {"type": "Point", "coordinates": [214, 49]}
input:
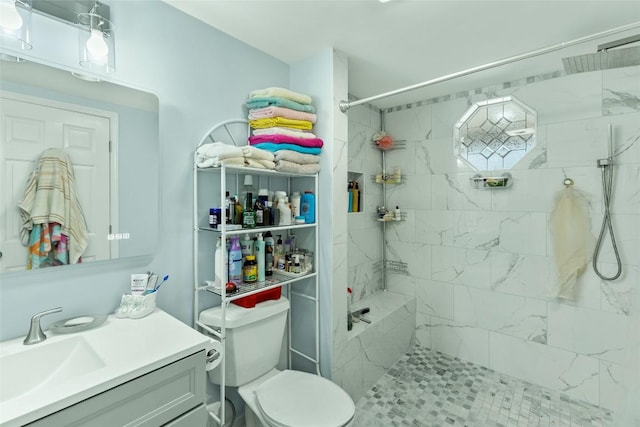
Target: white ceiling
{"type": "Point", "coordinates": [404, 42]}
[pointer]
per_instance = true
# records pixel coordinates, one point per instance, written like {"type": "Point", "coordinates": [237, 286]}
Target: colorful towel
{"type": "Point", "coordinates": [282, 93]}
{"type": "Point", "coordinates": [281, 121]}
{"type": "Point", "coordinates": [287, 113]}
{"type": "Point", "coordinates": [267, 101]}
{"type": "Point", "coordinates": [277, 147]}
{"type": "Point", "coordinates": [280, 139]}
{"type": "Point", "coordinates": [295, 157]}
{"type": "Point", "coordinates": [290, 167]}
{"type": "Point", "coordinates": [277, 130]}
{"type": "Point", "coordinates": [47, 246]}
{"type": "Point", "coordinates": [51, 197]}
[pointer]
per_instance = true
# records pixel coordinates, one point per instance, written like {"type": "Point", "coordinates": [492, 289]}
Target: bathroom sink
{"type": "Point", "coordinates": [39, 380]}
{"type": "Point", "coordinates": [49, 363]}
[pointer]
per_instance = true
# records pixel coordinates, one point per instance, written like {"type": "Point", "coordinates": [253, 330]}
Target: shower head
{"type": "Point", "coordinates": [605, 58]}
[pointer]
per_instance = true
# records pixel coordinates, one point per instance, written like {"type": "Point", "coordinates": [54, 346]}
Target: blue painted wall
{"type": "Point", "coordinates": [201, 77]}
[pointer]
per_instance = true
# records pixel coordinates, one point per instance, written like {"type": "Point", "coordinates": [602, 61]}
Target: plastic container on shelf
{"type": "Point", "coordinates": [251, 300]}
{"type": "Point", "coordinates": [235, 261]}
{"type": "Point", "coordinates": [308, 207]}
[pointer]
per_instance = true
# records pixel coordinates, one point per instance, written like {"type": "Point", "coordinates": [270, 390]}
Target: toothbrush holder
{"type": "Point", "coordinates": [136, 306]}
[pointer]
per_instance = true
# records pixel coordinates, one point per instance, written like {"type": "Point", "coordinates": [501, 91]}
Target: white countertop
{"type": "Point", "coordinates": [129, 348]}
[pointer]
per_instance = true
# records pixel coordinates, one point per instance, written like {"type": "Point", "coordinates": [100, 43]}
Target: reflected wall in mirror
{"type": "Point", "coordinates": [111, 135]}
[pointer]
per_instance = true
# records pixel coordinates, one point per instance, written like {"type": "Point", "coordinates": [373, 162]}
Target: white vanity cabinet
{"type": "Point", "coordinates": [173, 395]}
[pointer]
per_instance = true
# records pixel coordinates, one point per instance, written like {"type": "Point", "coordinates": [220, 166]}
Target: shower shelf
{"type": "Point", "coordinates": [393, 266]}
{"type": "Point", "coordinates": [389, 178]}
{"type": "Point", "coordinates": [491, 182]}
{"type": "Point", "coordinates": [397, 145]}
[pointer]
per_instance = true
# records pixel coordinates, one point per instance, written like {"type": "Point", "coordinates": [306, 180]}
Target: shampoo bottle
{"type": "Point", "coordinates": [246, 246]}
{"type": "Point", "coordinates": [268, 254]}
{"type": "Point", "coordinates": [235, 261]}
{"type": "Point", "coordinates": [308, 207]}
{"type": "Point", "coordinates": [260, 255]}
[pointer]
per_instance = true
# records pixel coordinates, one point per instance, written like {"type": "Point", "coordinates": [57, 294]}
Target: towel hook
{"type": "Point", "coordinates": [568, 182]}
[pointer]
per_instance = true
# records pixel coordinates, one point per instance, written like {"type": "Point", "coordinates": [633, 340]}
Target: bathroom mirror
{"type": "Point", "coordinates": [495, 134]}
{"type": "Point", "coordinates": [111, 134]}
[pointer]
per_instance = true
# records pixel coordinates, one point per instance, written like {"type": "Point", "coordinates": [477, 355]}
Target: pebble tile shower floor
{"type": "Point", "coordinates": [428, 388]}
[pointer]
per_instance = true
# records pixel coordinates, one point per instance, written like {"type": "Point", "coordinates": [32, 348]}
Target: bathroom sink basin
{"type": "Point", "coordinates": [49, 363]}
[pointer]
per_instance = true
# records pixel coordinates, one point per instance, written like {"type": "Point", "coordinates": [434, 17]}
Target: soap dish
{"type": "Point", "coordinates": [78, 323]}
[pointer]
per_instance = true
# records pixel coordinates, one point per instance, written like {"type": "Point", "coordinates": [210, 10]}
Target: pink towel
{"type": "Point", "coordinates": [284, 139]}
{"type": "Point", "coordinates": [266, 112]}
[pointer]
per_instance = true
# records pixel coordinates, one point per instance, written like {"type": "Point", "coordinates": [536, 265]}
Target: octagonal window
{"type": "Point", "coordinates": [495, 134]}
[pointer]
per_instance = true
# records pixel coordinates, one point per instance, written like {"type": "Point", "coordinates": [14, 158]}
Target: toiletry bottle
{"type": "Point", "coordinates": [248, 216]}
{"type": "Point", "coordinates": [308, 207]}
{"type": "Point", "coordinates": [295, 204]}
{"type": "Point", "coordinates": [227, 208]}
{"type": "Point", "coordinates": [287, 245]}
{"type": "Point", "coordinates": [268, 254]}
{"type": "Point", "coordinates": [248, 190]}
{"type": "Point", "coordinates": [219, 263]}
{"type": "Point", "coordinates": [296, 264]}
{"type": "Point", "coordinates": [284, 213]}
{"type": "Point", "coordinates": [350, 193]}
{"type": "Point", "coordinates": [272, 213]}
{"type": "Point", "coordinates": [235, 261]}
{"type": "Point", "coordinates": [356, 197]}
{"type": "Point", "coordinates": [246, 245]}
{"type": "Point", "coordinates": [397, 215]}
{"type": "Point", "coordinates": [260, 255]}
{"type": "Point", "coordinates": [250, 270]}
{"type": "Point", "coordinates": [238, 206]}
{"type": "Point", "coordinates": [279, 252]}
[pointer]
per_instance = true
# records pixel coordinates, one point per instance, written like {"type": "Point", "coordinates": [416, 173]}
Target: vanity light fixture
{"type": "Point", "coordinates": [15, 26]}
{"type": "Point", "coordinates": [96, 41]}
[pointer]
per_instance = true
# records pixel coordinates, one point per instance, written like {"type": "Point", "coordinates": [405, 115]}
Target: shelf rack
{"type": "Point", "coordinates": [235, 132]}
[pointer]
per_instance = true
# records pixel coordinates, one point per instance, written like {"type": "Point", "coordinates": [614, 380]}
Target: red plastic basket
{"type": "Point", "coordinates": [251, 300]}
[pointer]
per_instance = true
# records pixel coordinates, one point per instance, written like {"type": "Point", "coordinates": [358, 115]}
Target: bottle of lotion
{"type": "Point", "coordinates": [260, 255]}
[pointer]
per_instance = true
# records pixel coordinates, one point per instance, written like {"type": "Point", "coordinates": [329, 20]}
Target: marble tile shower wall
{"type": "Point", "coordinates": [364, 248]}
{"type": "Point", "coordinates": [481, 262]}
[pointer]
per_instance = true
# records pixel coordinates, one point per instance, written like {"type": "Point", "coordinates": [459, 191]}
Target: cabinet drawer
{"type": "Point", "coordinates": [195, 418]}
{"type": "Point", "coordinates": [151, 400]}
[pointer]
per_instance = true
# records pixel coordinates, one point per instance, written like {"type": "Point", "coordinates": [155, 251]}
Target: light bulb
{"type": "Point", "coordinates": [97, 47]}
{"type": "Point", "coordinates": [10, 19]}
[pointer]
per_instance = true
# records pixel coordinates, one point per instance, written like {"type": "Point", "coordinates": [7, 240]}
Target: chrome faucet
{"type": "Point", "coordinates": [35, 334]}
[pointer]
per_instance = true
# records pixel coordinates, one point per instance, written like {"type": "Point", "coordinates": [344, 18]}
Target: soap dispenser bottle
{"type": "Point", "coordinates": [235, 261]}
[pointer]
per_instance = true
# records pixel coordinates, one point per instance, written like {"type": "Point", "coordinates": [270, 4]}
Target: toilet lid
{"type": "Point", "coordinates": [299, 399]}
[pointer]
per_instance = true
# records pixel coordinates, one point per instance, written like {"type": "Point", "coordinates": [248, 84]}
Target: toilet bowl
{"type": "Point", "coordinates": [273, 398]}
{"type": "Point", "coordinates": [296, 399]}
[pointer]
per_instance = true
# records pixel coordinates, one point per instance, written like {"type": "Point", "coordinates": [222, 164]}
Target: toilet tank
{"type": "Point", "coordinates": [253, 339]}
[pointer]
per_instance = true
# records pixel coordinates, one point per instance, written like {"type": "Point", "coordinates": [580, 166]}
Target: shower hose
{"type": "Point", "coordinates": [607, 186]}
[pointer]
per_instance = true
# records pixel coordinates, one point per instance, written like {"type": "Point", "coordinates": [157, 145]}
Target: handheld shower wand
{"type": "Point", "coordinates": [606, 166]}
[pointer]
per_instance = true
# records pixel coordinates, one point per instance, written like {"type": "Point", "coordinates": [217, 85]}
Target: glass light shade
{"type": "Point", "coordinates": [15, 25]}
{"type": "Point", "coordinates": [96, 43]}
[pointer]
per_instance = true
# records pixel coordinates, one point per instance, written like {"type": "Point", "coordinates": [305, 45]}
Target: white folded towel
{"type": "Point", "coordinates": [290, 167]}
{"type": "Point", "coordinates": [278, 130]}
{"type": "Point", "coordinates": [211, 152]}
{"type": "Point", "coordinates": [256, 153]}
{"type": "Point", "coordinates": [295, 157]}
{"type": "Point", "coordinates": [281, 92]}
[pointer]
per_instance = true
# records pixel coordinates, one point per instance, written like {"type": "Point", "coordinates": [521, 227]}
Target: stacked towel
{"type": "Point", "coordinates": [281, 121]}
{"type": "Point", "coordinates": [215, 154]}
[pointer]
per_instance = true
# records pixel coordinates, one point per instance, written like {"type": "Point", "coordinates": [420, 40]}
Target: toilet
{"type": "Point", "coordinates": [273, 398]}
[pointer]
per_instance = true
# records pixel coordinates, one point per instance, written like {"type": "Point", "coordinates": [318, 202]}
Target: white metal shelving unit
{"type": "Point", "coordinates": [235, 132]}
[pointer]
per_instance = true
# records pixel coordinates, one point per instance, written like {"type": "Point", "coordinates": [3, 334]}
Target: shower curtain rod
{"type": "Point", "coordinates": [345, 105]}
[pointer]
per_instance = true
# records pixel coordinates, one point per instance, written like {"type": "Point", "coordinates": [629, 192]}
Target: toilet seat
{"type": "Point", "coordinates": [299, 399]}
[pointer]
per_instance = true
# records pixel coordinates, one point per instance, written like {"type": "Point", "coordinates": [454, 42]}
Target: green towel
{"type": "Point", "coordinates": [261, 102]}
